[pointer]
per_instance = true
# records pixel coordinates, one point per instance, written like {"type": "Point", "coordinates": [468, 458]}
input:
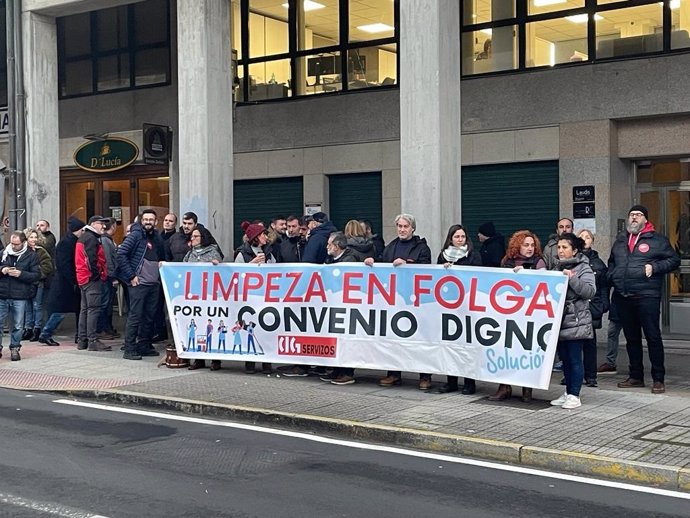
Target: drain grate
{"type": "Point", "coordinates": [668, 434]}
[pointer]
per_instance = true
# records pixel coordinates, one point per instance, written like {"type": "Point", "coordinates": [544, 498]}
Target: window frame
{"type": "Point", "coordinates": [343, 48]}
{"type": "Point", "coordinates": [94, 55]}
{"type": "Point", "coordinates": [522, 19]}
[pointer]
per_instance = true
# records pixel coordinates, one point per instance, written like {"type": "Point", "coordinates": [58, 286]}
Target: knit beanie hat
{"type": "Point", "coordinates": [640, 208]}
{"type": "Point", "coordinates": [74, 224]}
{"type": "Point", "coordinates": [252, 230]}
{"type": "Point", "coordinates": [487, 229]}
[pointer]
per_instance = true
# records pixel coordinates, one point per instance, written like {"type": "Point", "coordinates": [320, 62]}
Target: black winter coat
{"type": "Point", "coordinates": [599, 304]}
{"type": "Point", "coordinates": [315, 250]}
{"type": "Point", "coordinates": [290, 250]}
{"type": "Point", "coordinates": [348, 256]}
{"type": "Point", "coordinates": [24, 286]}
{"type": "Point", "coordinates": [627, 270]}
{"type": "Point", "coordinates": [361, 247]}
{"type": "Point", "coordinates": [493, 250]}
{"type": "Point", "coordinates": [64, 296]}
{"type": "Point", "coordinates": [420, 253]}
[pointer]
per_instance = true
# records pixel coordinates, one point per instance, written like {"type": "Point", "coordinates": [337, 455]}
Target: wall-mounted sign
{"type": "Point", "coordinates": [4, 123]}
{"type": "Point", "coordinates": [583, 210]}
{"type": "Point", "coordinates": [583, 193]}
{"type": "Point", "coordinates": [111, 154]}
{"type": "Point", "coordinates": [157, 144]}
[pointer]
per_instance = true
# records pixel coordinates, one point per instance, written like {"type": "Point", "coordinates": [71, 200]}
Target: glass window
{"type": "Point", "coordinates": [237, 28]}
{"type": "Point", "coordinates": [323, 73]}
{"type": "Point", "coordinates": [555, 41]}
{"type": "Point", "coordinates": [483, 11]}
{"type": "Point", "coordinates": [371, 21]}
{"type": "Point", "coordinates": [680, 24]}
{"type": "Point", "coordinates": [318, 24]}
{"type": "Point", "coordinates": [372, 66]}
{"type": "Point", "coordinates": [549, 6]}
{"type": "Point", "coordinates": [136, 33]}
{"type": "Point", "coordinates": [629, 31]}
{"type": "Point", "coordinates": [113, 72]}
{"type": "Point", "coordinates": [112, 30]}
{"type": "Point", "coordinates": [489, 50]}
{"type": "Point", "coordinates": [268, 29]}
{"type": "Point", "coordinates": [269, 80]}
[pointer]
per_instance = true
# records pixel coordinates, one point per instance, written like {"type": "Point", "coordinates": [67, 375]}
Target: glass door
{"type": "Point", "coordinates": [80, 200]}
{"type": "Point", "coordinates": [154, 193]}
{"type": "Point", "coordinates": [117, 204]}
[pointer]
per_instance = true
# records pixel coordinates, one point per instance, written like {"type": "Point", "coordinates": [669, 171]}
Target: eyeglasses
{"type": "Point", "coordinates": [636, 215]}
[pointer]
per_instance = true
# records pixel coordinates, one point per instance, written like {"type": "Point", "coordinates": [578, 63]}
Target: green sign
{"type": "Point", "coordinates": [107, 155]}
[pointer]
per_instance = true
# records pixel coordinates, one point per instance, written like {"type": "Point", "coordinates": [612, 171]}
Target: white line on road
{"type": "Point", "coordinates": [388, 449]}
{"type": "Point", "coordinates": [46, 507]}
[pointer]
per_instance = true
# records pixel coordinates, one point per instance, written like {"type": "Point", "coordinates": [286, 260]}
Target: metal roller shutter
{"type": "Point", "coordinates": [355, 196]}
{"type": "Point", "coordinates": [513, 196]}
{"type": "Point", "coordinates": [263, 199]}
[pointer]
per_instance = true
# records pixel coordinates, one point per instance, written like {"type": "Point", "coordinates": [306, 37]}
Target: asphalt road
{"type": "Point", "coordinates": [73, 461]}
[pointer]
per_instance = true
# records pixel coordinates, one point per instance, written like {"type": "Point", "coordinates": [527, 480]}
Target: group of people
{"type": "Point", "coordinates": [79, 274]}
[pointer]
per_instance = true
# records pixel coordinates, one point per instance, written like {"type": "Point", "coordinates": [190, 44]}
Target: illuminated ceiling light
{"type": "Point", "coordinates": [374, 28]}
{"type": "Point", "coordinates": [675, 4]}
{"type": "Point", "coordinates": [582, 18]}
{"type": "Point", "coordinates": [486, 31]}
{"type": "Point", "coordinates": [542, 3]}
{"type": "Point", "coordinates": [309, 6]}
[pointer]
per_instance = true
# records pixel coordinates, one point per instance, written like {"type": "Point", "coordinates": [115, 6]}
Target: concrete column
{"type": "Point", "coordinates": [430, 115]}
{"type": "Point", "coordinates": [42, 144]}
{"type": "Point", "coordinates": [205, 115]}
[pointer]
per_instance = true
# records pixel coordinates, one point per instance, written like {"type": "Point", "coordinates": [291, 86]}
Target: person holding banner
{"type": "Point", "coordinates": [203, 250]}
{"type": "Point", "coordinates": [524, 252]}
{"type": "Point", "coordinates": [576, 326]}
{"type": "Point", "coordinates": [254, 250]}
{"type": "Point", "coordinates": [407, 248]}
{"type": "Point", "coordinates": [458, 251]}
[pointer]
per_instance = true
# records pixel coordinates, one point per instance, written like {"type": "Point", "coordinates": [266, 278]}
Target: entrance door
{"type": "Point", "coordinates": [664, 188]}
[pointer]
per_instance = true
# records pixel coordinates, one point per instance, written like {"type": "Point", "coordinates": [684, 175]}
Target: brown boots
{"type": "Point", "coordinates": [504, 392]}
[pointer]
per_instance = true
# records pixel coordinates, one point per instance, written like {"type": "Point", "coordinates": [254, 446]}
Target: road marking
{"type": "Point", "coordinates": [46, 507]}
{"type": "Point", "coordinates": [387, 449]}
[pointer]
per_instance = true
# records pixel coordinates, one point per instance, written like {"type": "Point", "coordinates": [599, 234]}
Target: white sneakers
{"type": "Point", "coordinates": [567, 401]}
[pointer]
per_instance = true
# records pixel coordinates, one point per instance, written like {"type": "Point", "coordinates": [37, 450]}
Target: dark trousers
{"type": "Point", "coordinates": [142, 310]}
{"type": "Point", "coordinates": [105, 322]}
{"type": "Point", "coordinates": [90, 310]}
{"type": "Point", "coordinates": [589, 353]}
{"type": "Point", "coordinates": [637, 315]}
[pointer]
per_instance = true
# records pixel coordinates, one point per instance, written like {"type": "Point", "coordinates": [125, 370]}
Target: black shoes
{"type": "Point", "coordinates": [469, 387]}
{"type": "Point", "coordinates": [131, 355]}
{"type": "Point", "coordinates": [47, 341]}
{"type": "Point", "coordinates": [28, 333]}
{"type": "Point", "coordinates": [14, 355]}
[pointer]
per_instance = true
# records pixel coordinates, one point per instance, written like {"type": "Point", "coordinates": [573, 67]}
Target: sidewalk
{"type": "Point", "coordinates": [628, 435]}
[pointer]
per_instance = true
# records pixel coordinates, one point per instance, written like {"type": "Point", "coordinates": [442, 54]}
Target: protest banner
{"type": "Point", "coordinates": [489, 324]}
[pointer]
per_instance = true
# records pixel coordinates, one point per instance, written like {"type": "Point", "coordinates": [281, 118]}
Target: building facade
{"type": "Point", "coordinates": [511, 111]}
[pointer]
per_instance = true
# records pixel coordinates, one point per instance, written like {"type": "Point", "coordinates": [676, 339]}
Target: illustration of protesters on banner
{"type": "Point", "coordinates": [190, 336]}
{"type": "Point", "coordinates": [236, 336]}
{"type": "Point", "coordinates": [250, 337]}
{"type": "Point", "coordinates": [209, 335]}
{"type": "Point", "coordinates": [222, 331]}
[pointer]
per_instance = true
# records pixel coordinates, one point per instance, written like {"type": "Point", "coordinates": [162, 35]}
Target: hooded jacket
{"type": "Point", "coordinates": [577, 319]}
{"type": "Point", "coordinates": [89, 258]}
{"type": "Point", "coordinates": [627, 269]}
{"type": "Point", "coordinates": [550, 253]}
{"type": "Point", "coordinates": [203, 254]}
{"type": "Point", "coordinates": [177, 245]}
{"type": "Point", "coordinates": [493, 250]}
{"type": "Point", "coordinates": [130, 254]}
{"type": "Point", "coordinates": [599, 304]}
{"type": "Point", "coordinates": [361, 247]}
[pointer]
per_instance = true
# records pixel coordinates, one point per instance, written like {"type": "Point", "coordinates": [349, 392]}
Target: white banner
{"type": "Point", "coordinates": [484, 323]}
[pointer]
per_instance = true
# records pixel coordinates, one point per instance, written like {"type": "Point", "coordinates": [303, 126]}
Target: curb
{"type": "Point", "coordinates": [667, 477]}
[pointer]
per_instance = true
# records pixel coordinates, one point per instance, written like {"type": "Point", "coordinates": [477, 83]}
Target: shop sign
{"type": "Point", "coordinates": [111, 154]}
{"type": "Point", "coordinates": [4, 123]}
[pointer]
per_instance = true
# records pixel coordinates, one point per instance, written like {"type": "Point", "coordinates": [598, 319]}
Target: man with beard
{"type": "Point", "coordinates": [177, 246]}
{"type": "Point", "coordinates": [292, 245]}
{"type": "Point", "coordinates": [138, 258]}
{"type": "Point", "coordinates": [640, 259]}
{"type": "Point", "coordinates": [550, 253]}
{"type": "Point", "coordinates": [43, 227]}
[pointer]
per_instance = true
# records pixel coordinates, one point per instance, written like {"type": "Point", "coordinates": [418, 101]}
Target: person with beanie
{"type": "Point", "coordinates": [63, 296]}
{"type": "Point", "coordinates": [255, 250]}
{"type": "Point", "coordinates": [493, 245]}
{"type": "Point", "coordinates": [319, 229]}
{"type": "Point", "coordinates": [639, 262]}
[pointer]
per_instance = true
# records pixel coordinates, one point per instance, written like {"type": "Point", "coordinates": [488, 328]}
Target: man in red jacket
{"type": "Point", "coordinates": [89, 260]}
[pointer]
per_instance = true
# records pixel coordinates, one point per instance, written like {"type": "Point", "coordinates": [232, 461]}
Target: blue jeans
{"type": "Point", "coordinates": [33, 314]}
{"type": "Point", "coordinates": [15, 308]}
{"type": "Point", "coordinates": [52, 324]}
{"type": "Point", "coordinates": [570, 352]}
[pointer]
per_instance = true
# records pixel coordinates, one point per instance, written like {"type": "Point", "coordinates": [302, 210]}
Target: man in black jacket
{"type": "Point", "coordinates": [291, 245]}
{"type": "Point", "coordinates": [177, 245]}
{"type": "Point", "coordinates": [19, 271]}
{"type": "Point", "coordinates": [640, 259]}
{"type": "Point", "coordinates": [493, 245]}
{"type": "Point", "coordinates": [405, 249]}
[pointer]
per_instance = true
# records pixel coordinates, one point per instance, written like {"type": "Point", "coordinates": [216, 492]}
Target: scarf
{"type": "Point", "coordinates": [453, 254]}
{"type": "Point", "coordinates": [10, 251]}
